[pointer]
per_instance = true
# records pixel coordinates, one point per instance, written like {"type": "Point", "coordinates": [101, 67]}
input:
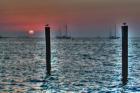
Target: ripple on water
{"type": "Point", "coordinates": [78, 66]}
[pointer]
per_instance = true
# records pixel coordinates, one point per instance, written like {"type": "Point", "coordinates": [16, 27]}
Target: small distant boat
{"type": "Point", "coordinates": [1, 37]}
{"type": "Point", "coordinates": [64, 36]}
{"type": "Point", "coordinates": [113, 36]}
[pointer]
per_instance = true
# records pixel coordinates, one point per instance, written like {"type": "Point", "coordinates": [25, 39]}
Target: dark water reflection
{"type": "Point", "coordinates": [21, 62]}
{"type": "Point", "coordinates": [80, 65]}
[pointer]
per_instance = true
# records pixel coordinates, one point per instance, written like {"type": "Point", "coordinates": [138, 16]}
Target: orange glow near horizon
{"type": "Point", "coordinates": [22, 15]}
{"type": "Point", "coordinates": [31, 32]}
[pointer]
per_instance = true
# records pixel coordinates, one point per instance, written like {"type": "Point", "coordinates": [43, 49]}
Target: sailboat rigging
{"type": "Point", "coordinates": [113, 36]}
{"type": "Point", "coordinates": [65, 36]}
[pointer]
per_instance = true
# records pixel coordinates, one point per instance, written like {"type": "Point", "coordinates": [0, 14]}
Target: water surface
{"type": "Point", "coordinates": [78, 65]}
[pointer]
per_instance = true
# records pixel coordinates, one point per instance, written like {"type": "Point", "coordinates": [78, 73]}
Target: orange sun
{"type": "Point", "coordinates": [31, 32]}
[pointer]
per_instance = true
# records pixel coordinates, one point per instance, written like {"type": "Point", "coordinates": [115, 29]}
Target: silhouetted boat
{"type": "Point", "coordinates": [1, 37]}
{"type": "Point", "coordinates": [64, 36]}
{"type": "Point", "coordinates": [113, 36]}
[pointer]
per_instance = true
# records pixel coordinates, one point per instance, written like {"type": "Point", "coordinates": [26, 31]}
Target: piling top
{"type": "Point", "coordinates": [124, 24]}
{"type": "Point", "coordinates": [47, 25]}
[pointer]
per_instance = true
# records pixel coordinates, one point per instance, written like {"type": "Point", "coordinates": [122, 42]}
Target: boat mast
{"type": "Point", "coordinates": [115, 31]}
{"type": "Point", "coordinates": [59, 31]}
{"type": "Point", "coordinates": [66, 30]}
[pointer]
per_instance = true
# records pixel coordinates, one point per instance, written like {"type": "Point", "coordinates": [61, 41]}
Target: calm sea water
{"type": "Point", "coordinates": [78, 66]}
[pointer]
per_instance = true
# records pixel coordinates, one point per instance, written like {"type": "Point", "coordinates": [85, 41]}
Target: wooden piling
{"type": "Point", "coordinates": [124, 54]}
{"type": "Point", "coordinates": [48, 50]}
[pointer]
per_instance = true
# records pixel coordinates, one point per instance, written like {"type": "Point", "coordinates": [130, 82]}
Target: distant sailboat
{"type": "Point", "coordinates": [1, 36]}
{"type": "Point", "coordinates": [113, 36]}
{"type": "Point", "coordinates": [65, 36]}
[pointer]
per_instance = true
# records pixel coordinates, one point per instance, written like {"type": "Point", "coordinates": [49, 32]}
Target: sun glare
{"type": "Point", "coordinates": [31, 32]}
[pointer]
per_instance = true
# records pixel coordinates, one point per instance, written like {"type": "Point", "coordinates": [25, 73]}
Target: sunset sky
{"type": "Point", "coordinates": [84, 17]}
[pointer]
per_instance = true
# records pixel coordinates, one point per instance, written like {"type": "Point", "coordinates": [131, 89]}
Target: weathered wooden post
{"type": "Point", "coordinates": [48, 50]}
{"type": "Point", "coordinates": [124, 54]}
